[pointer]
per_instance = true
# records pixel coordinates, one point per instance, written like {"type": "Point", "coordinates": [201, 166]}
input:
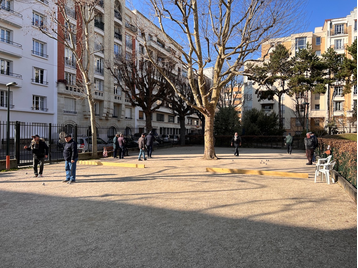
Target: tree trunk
{"type": "Point", "coordinates": [209, 141]}
{"type": "Point", "coordinates": [148, 122]}
{"type": "Point", "coordinates": [182, 130]}
{"type": "Point", "coordinates": [93, 124]}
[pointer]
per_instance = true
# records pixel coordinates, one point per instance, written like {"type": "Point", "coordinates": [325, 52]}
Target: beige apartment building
{"type": "Point", "coordinates": [322, 108]}
{"type": "Point", "coordinates": [115, 32]}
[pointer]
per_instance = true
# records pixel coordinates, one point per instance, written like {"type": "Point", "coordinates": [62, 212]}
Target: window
{"type": "Point", "coordinates": [115, 110]}
{"type": "Point", "coordinates": [70, 106]}
{"type": "Point", "coordinates": [70, 60]}
{"type": "Point", "coordinates": [338, 91]}
{"type": "Point", "coordinates": [39, 76]}
{"type": "Point", "coordinates": [5, 66]}
{"type": "Point", "coordinates": [355, 90]}
{"type": "Point", "coordinates": [160, 43]}
{"type": "Point", "coordinates": [355, 25]}
{"type": "Point", "coordinates": [117, 50]}
{"type": "Point", "coordinates": [128, 56]}
{"type": "Point", "coordinates": [6, 4]}
{"type": "Point", "coordinates": [338, 44]}
{"type": "Point", "coordinates": [116, 90]}
{"type": "Point", "coordinates": [160, 117]}
{"type": "Point", "coordinates": [338, 106]}
{"type": "Point", "coordinates": [171, 119]}
{"type": "Point", "coordinates": [190, 121]}
{"type": "Point", "coordinates": [96, 108]}
{"type": "Point", "coordinates": [38, 20]}
{"type": "Point", "coordinates": [70, 78]}
{"type": "Point", "coordinates": [339, 29]}
{"type": "Point", "coordinates": [318, 53]}
{"type": "Point", "coordinates": [98, 84]}
{"type": "Point", "coordinates": [129, 41]}
{"type": "Point", "coordinates": [39, 103]}
{"type": "Point", "coordinates": [297, 122]}
{"type": "Point", "coordinates": [300, 43]}
{"type": "Point", "coordinates": [316, 106]}
{"type": "Point", "coordinates": [318, 40]}
{"type": "Point", "coordinates": [316, 122]}
{"type": "Point", "coordinates": [5, 35]}
{"type": "Point", "coordinates": [317, 96]}
{"type": "Point", "coordinates": [39, 48]}
{"type": "Point", "coordinates": [128, 113]}
{"type": "Point", "coordinates": [141, 115]}
{"type": "Point", "coordinates": [98, 66]}
{"type": "Point", "coordinates": [98, 22]}
{"type": "Point", "coordinates": [141, 49]}
{"type": "Point", "coordinates": [117, 33]}
{"type": "Point", "coordinates": [3, 99]}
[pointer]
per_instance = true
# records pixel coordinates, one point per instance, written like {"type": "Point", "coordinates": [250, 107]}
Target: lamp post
{"type": "Point", "coordinates": [306, 106]}
{"type": "Point", "coordinates": [8, 125]}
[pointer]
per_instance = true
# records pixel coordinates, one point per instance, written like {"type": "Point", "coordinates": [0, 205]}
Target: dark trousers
{"type": "Point", "coordinates": [289, 148]}
{"type": "Point", "coordinates": [38, 161]}
{"type": "Point", "coordinates": [236, 149]}
{"type": "Point", "coordinates": [121, 152]}
{"type": "Point", "coordinates": [150, 150]}
{"type": "Point", "coordinates": [309, 155]}
{"type": "Point", "coordinates": [115, 151]}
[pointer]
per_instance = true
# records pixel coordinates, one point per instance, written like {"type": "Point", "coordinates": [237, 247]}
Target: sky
{"type": "Point", "coordinates": [317, 11]}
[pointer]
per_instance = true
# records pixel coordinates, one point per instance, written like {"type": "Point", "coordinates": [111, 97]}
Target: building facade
{"type": "Point", "coordinates": [332, 106]}
{"type": "Point", "coordinates": [29, 58]}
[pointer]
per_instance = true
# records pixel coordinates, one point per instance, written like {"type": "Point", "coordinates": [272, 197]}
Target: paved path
{"type": "Point", "coordinates": [174, 214]}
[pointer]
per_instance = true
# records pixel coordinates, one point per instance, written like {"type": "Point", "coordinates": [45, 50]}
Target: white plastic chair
{"type": "Point", "coordinates": [325, 169]}
{"type": "Point", "coordinates": [322, 161]}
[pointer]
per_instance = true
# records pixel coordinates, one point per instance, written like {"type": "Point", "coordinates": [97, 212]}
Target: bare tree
{"type": "Point", "coordinates": [144, 85]}
{"type": "Point", "coordinates": [222, 34]}
{"type": "Point", "coordinates": [78, 38]}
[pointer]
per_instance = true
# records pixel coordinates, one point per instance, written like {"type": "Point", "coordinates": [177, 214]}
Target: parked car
{"type": "Point", "coordinates": [165, 138]}
{"type": "Point", "coordinates": [174, 138]}
{"type": "Point", "coordinates": [84, 144]}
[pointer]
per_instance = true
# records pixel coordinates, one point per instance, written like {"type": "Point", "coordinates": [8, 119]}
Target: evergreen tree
{"type": "Point", "coordinates": [227, 121]}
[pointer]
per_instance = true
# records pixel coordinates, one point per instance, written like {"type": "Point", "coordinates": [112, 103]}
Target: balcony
{"type": "Point", "coordinates": [69, 112]}
{"type": "Point", "coordinates": [99, 24]}
{"type": "Point", "coordinates": [118, 36]}
{"type": "Point", "coordinates": [98, 48]}
{"type": "Point", "coordinates": [339, 32]}
{"type": "Point", "coordinates": [43, 109]}
{"type": "Point", "coordinates": [317, 113]}
{"type": "Point", "coordinates": [70, 63]}
{"type": "Point", "coordinates": [39, 53]}
{"type": "Point", "coordinates": [11, 48]}
{"type": "Point", "coordinates": [10, 16]}
{"type": "Point", "coordinates": [99, 71]}
{"type": "Point", "coordinates": [118, 15]}
{"type": "Point", "coordinates": [159, 47]}
{"type": "Point", "coordinates": [131, 27]}
{"type": "Point", "coordinates": [5, 77]}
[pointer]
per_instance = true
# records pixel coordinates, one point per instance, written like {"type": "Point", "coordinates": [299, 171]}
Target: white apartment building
{"type": "Point", "coordinates": [28, 58]}
{"type": "Point", "coordinates": [335, 33]}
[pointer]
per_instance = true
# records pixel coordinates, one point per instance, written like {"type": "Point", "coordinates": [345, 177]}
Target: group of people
{"type": "Point", "coordinates": [145, 145]}
{"type": "Point", "coordinates": [39, 150]}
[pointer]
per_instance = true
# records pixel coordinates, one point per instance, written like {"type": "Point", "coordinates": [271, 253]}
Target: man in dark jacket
{"type": "Point", "coordinates": [70, 155]}
{"type": "Point", "coordinates": [309, 146]}
{"type": "Point", "coordinates": [115, 145]}
{"type": "Point", "coordinates": [39, 152]}
{"type": "Point", "coordinates": [121, 144]}
{"type": "Point", "coordinates": [236, 141]}
{"type": "Point", "coordinates": [141, 146]}
{"type": "Point", "coordinates": [150, 140]}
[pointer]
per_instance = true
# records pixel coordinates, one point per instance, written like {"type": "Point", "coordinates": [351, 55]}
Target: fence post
{"type": "Point", "coordinates": [17, 142]}
{"type": "Point", "coordinates": [49, 142]}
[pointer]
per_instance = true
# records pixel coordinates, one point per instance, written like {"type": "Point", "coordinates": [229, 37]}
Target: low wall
{"type": "Point", "coordinates": [13, 164]}
{"type": "Point", "coordinates": [347, 187]}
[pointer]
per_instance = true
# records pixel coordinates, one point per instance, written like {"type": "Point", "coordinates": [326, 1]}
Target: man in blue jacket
{"type": "Point", "coordinates": [70, 155]}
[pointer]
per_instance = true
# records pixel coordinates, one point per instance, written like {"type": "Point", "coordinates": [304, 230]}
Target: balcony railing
{"type": "Point", "coordinates": [101, 3]}
{"type": "Point", "coordinates": [118, 15]}
{"type": "Point", "coordinates": [99, 71]}
{"type": "Point", "coordinates": [70, 62]}
{"type": "Point", "coordinates": [338, 32]}
{"type": "Point", "coordinates": [39, 53]}
{"type": "Point", "coordinates": [69, 112]}
{"type": "Point", "coordinates": [10, 42]}
{"type": "Point", "coordinates": [98, 48]}
{"type": "Point", "coordinates": [39, 109]}
{"type": "Point", "coordinates": [11, 74]}
{"type": "Point", "coordinates": [39, 81]}
{"type": "Point", "coordinates": [131, 27]}
{"type": "Point", "coordinates": [9, 9]}
{"type": "Point", "coordinates": [118, 36]}
{"type": "Point", "coordinates": [44, 1]}
{"type": "Point", "coordinates": [99, 24]}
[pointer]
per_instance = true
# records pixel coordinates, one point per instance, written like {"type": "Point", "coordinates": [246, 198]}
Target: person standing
{"type": "Point", "coordinates": [70, 155]}
{"type": "Point", "coordinates": [150, 140]}
{"type": "Point", "coordinates": [315, 143]}
{"type": "Point", "coordinates": [309, 146]}
{"type": "Point", "coordinates": [236, 142]}
{"type": "Point", "coordinates": [39, 150]}
{"type": "Point", "coordinates": [121, 143]}
{"type": "Point", "coordinates": [141, 146]}
{"type": "Point", "coordinates": [115, 145]}
{"type": "Point", "coordinates": [288, 141]}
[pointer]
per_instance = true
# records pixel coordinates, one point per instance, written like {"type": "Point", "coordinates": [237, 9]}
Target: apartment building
{"type": "Point", "coordinates": [29, 58]}
{"type": "Point", "coordinates": [322, 108]}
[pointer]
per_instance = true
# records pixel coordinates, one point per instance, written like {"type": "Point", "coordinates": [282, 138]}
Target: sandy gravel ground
{"type": "Point", "coordinates": [175, 214]}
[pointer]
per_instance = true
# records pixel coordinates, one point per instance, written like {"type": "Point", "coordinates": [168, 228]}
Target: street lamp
{"type": "Point", "coordinates": [8, 125]}
{"type": "Point", "coordinates": [306, 106]}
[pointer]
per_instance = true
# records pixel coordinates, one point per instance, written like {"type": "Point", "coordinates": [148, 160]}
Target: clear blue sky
{"type": "Point", "coordinates": [317, 11]}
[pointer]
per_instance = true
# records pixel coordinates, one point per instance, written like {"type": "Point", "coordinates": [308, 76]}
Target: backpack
{"type": "Point", "coordinates": [310, 143]}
